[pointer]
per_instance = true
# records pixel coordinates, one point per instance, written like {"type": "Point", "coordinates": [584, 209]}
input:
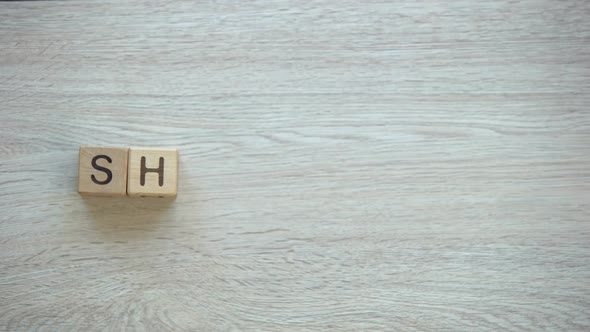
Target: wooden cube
{"type": "Point", "coordinates": [102, 171]}
{"type": "Point", "coordinates": [152, 172]}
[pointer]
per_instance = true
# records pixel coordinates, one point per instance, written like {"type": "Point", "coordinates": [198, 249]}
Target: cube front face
{"type": "Point", "coordinates": [103, 171]}
{"type": "Point", "coordinates": [152, 172]}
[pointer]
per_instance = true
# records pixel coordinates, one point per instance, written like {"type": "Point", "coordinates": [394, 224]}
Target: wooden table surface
{"type": "Point", "coordinates": [344, 165]}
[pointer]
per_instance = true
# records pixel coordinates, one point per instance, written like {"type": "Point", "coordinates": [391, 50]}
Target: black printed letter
{"type": "Point", "coordinates": [159, 170]}
{"type": "Point", "coordinates": [103, 169]}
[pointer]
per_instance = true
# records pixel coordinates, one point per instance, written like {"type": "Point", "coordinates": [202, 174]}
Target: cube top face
{"type": "Point", "coordinates": [102, 171]}
{"type": "Point", "coordinates": [152, 172]}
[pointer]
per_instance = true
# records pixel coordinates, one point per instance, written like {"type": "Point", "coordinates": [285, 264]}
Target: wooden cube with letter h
{"type": "Point", "coordinates": [152, 172]}
{"type": "Point", "coordinates": [103, 171]}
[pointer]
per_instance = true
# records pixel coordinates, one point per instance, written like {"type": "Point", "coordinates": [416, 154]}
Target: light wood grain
{"type": "Point", "coordinates": [345, 165]}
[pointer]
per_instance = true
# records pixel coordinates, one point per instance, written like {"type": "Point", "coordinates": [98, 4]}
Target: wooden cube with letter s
{"type": "Point", "coordinates": [103, 171]}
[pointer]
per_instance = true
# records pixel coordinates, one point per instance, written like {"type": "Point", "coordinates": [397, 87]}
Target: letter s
{"type": "Point", "coordinates": [103, 169]}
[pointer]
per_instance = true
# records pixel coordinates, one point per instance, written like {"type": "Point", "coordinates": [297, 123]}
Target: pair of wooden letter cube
{"type": "Point", "coordinates": [132, 171]}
